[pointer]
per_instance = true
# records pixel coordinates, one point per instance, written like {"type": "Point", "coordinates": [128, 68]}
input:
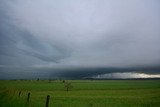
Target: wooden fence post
{"type": "Point", "coordinates": [19, 94]}
{"type": "Point", "coordinates": [47, 100]}
{"type": "Point", "coordinates": [28, 97]}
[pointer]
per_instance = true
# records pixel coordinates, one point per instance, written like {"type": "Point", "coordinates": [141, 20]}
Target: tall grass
{"type": "Point", "coordinates": [84, 93]}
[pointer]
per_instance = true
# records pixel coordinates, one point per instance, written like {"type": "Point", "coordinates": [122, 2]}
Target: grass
{"type": "Point", "coordinates": [84, 93]}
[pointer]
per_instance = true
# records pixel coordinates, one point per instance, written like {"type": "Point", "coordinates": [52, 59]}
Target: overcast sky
{"type": "Point", "coordinates": [79, 33]}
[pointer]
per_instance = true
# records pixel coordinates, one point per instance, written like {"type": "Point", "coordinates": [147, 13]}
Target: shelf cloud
{"type": "Point", "coordinates": [79, 33]}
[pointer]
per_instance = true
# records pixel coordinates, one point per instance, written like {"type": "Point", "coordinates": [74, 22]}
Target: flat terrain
{"type": "Point", "coordinates": [82, 93]}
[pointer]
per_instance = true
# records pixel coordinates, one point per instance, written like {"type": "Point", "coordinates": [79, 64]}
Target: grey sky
{"type": "Point", "coordinates": [82, 33]}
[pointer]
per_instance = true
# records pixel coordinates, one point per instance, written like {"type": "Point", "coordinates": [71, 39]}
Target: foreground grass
{"type": "Point", "coordinates": [85, 93]}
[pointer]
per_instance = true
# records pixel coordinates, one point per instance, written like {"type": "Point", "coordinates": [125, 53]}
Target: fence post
{"type": "Point", "coordinates": [47, 100]}
{"type": "Point", "coordinates": [28, 97]}
{"type": "Point", "coordinates": [19, 94]}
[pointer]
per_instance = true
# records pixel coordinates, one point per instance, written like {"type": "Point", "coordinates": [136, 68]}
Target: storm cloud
{"type": "Point", "coordinates": [79, 34]}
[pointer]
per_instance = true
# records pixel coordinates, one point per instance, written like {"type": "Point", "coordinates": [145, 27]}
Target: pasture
{"type": "Point", "coordinates": [81, 93]}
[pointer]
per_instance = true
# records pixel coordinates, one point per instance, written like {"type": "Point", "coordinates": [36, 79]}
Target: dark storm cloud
{"type": "Point", "coordinates": [16, 43]}
{"type": "Point", "coordinates": [20, 47]}
{"type": "Point", "coordinates": [79, 34]}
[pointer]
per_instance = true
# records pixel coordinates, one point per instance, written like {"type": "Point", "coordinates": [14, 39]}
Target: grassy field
{"type": "Point", "coordinates": [83, 93]}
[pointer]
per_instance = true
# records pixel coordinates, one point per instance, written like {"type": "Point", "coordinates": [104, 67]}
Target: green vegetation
{"type": "Point", "coordinates": [84, 93]}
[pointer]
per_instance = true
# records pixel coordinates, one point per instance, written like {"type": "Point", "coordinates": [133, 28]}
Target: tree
{"type": "Point", "coordinates": [67, 86]}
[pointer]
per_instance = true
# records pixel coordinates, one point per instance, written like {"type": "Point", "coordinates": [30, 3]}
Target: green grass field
{"type": "Point", "coordinates": [84, 93]}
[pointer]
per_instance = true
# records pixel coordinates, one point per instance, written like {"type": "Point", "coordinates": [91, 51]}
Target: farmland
{"type": "Point", "coordinates": [82, 93]}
